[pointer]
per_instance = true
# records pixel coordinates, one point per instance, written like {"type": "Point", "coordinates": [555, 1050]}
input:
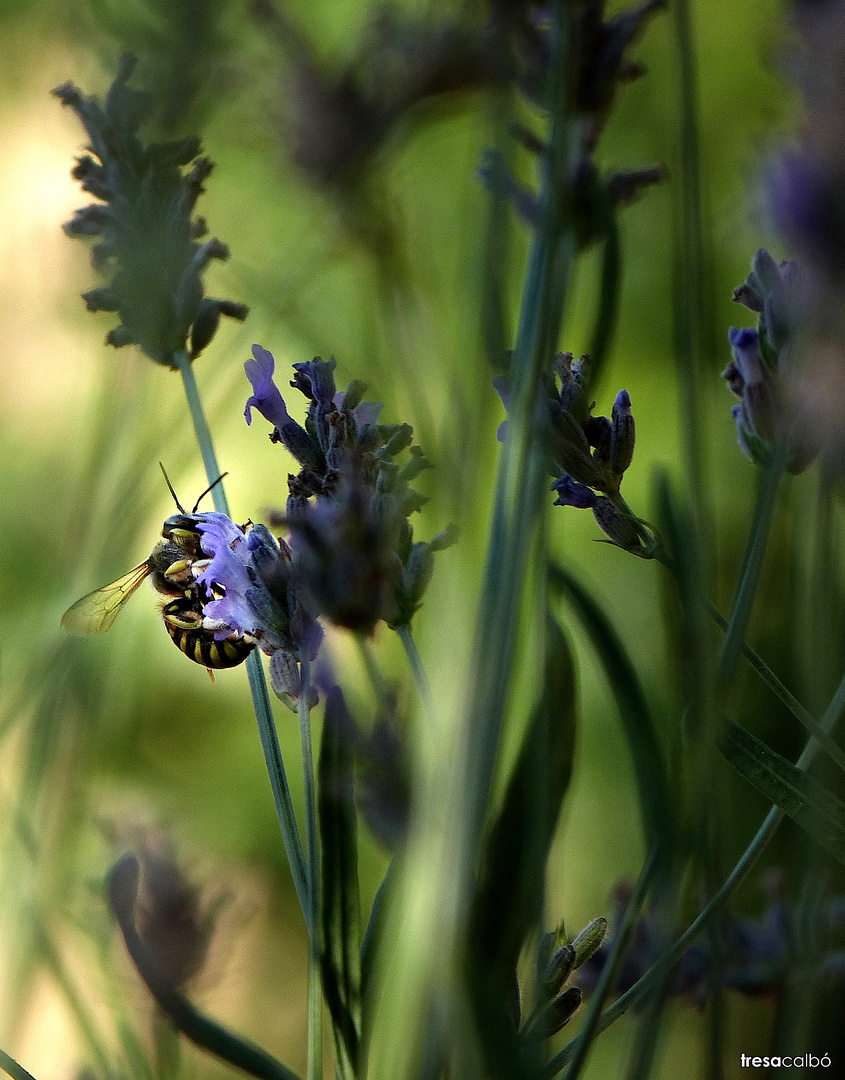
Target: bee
{"type": "Point", "coordinates": [172, 567]}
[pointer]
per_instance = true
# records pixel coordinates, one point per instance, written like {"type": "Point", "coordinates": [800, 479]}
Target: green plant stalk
{"type": "Point", "coordinates": [10, 1066]}
{"type": "Point", "coordinates": [770, 481]}
{"type": "Point", "coordinates": [747, 860]}
{"type": "Point", "coordinates": [450, 851]}
{"type": "Point", "coordinates": [255, 670]}
{"type": "Point", "coordinates": [315, 1021]}
{"type": "Point", "coordinates": [416, 665]}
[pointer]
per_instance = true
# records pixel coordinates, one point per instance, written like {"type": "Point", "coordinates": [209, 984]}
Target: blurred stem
{"type": "Point", "coordinates": [420, 677]}
{"type": "Point", "coordinates": [374, 672]}
{"type": "Point", "coordinates": [255, 670]}
{"type": "Point", "coordinates": [611, 281]}
{"type": "Point", "coordinates": [690, 266]}
{"type": "Point", "coordinates": [80, 1012]}
{"type": "Point", "coordinates": [315, 1023]}
{"type": "Point", "coordinates": [752, 853]}
{"type": "Point", "coordinates": [10, 1066]}
{"type": "Point", "coordinates": [185, 1017]}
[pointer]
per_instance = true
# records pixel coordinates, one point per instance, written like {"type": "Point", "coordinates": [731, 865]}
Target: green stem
{"type": "Point", "coordinates": [10, 1066]}
{"type": "Point", "coordinates": [752, 853]}
{"type": "Point", "coordinates": [255, 670]}
{"type": "Point", "coordinates": [374, 673]}
{"type": "Point", "coordinates": [420, 677]}
{"type": "Point", "coordinates": [743, 601]}
{"type": "Point", "coordinates": [315, 1022]}
{"type": "Point", "coordinates": [203, 433]}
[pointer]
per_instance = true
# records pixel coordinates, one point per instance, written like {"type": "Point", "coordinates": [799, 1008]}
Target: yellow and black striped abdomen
{"type": "Point", "coordinates": [183, 620]}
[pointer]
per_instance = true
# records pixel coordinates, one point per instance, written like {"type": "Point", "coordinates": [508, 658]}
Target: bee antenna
{"type": "Point", "coordinates": [172, 492]}
{"type": "Point", "coordinates": [210, 486]}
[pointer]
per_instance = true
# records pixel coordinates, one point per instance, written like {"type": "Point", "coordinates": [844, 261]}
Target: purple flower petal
{"type": "Point", "coordinates": [746, 350]}
{"type": "Point", "coordinates": [265, 396]}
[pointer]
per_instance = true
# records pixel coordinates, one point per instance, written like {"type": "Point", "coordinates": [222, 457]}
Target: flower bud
{"type": "Point", "coordinates": [589, 941]}
{"type": "Point", "coordinates": [622, 434]}
{"type": "Point", "coordinates": [620, 529]}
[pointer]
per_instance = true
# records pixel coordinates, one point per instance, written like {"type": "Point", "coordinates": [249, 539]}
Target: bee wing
{"type": "Point", "coordinates": [95, 613]}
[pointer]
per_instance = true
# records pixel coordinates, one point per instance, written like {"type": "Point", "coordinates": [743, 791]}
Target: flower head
{"type": "Point", "coordinates": [587, 454]}
{"type": "Point", "coordinates": [352, 551]}
{"type": "Point", "coordinates": [149, 247]}
{"type": "Point", "coordinates": [768, 412]}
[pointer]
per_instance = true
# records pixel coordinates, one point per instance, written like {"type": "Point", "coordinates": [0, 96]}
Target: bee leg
{"type": "Point", "coordinates": [180, 572]}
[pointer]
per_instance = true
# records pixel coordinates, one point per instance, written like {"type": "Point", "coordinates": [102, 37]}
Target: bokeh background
{"type": "Point", "coordinates": [115, 741]}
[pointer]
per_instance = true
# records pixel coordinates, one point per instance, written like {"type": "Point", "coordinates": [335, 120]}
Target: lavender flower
{"type": "Point", "coordinates": [353, 554]}
{"type": "Point", "coordinates": [759, 374]}
{"type": "Point", "coordinates": [587, 454]}
{"type": "Point", "coordinates": [249, 575]}
{"type": "Point", "coordinates": [149, 246]}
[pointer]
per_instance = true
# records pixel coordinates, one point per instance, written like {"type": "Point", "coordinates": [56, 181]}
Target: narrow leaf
{"type": "Point", "coordinates": [820, 813]}
{"type": "Point", "coordinates": [509, 901]}
{"type": "Point", "coordinates": [637, 722]}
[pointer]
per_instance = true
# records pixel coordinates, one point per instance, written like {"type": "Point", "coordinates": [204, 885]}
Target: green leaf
{"type": "Point", "coordinates": [509, 900]}
{"type": "Point", "coordinates": [340, 961]}
{"type": "Point", "coordinates": [637, 722]}
{"type": "Point", "coordinates": [820, 813]}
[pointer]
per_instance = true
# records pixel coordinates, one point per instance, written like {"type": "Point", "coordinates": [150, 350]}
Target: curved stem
{"type": "Point", "coordinates": [204, 1032]}
{"type": "Point", "coordinates": [255, 670]}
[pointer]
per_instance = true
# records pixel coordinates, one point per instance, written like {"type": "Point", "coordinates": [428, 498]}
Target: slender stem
{"type": "Point", "coordinates": [255, 670]}
{"type": "Point", "coordinates": [10, 1066]}
{"type": "Point", "coordinates": [203, 433]}
{"type": "Point", "coordinates": [420, 677]}
{"type": "Point", "coordinates": [279, 783]}
{"type": "Point", "coordinates": [744, 599]}
{"type": "Point", "coordinates": [764, 834]}
{"type": "Point", "coordinates": [315, 1022]}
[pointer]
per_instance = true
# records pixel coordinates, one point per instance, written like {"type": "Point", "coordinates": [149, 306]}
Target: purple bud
{"type": "Point", "coordinates": [571, 493]}
{"type": "Point", "coordinates": [623, 434]}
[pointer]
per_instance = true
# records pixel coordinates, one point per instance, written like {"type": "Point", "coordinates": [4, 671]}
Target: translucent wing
{"type": "Point", "coordinates": [95, 613]}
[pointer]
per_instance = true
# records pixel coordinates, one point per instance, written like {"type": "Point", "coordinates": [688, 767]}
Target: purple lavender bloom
{"type": "Point", "coordinates": [571, 493]}
{"type": "Point", "coordinates": [270, 403]}
{"type": "Point", "coordinates": [253, 572]}
{"type": "Point", "coordinates": [265, 394]}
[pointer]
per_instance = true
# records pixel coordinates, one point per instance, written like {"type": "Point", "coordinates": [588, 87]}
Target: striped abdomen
{"type": "Point", "coordinates": [183, 620]}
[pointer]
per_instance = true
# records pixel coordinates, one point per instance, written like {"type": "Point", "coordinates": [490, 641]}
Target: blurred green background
{"type": "Point", "coordinates": [108, 738]}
